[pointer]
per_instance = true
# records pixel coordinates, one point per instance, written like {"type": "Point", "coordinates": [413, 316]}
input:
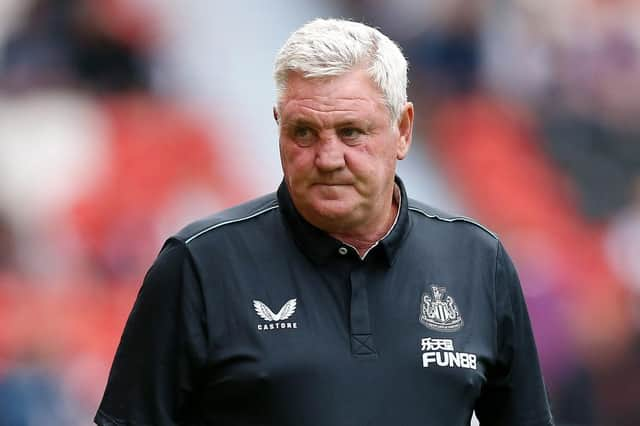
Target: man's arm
{"type": "Point", "coordinates": [514, 394]}
{"type": "Point", "coordinates": [161, 349]}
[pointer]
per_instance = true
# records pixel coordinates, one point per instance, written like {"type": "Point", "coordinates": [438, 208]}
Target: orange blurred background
{"type": "Point", "coordinates": [123, 120]}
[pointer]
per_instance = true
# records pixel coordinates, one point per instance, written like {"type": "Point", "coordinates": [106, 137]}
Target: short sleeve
{"type": "Point", "coordinates": [163, 346]}
{"type": "Point", "coordinates": [514, 394]}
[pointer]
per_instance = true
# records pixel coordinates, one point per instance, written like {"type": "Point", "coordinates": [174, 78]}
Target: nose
{"type": "Point", "coordinates": [329, 154]}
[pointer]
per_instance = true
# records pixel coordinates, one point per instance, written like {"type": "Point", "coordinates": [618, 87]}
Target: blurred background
{"type": "Point", "coordinates": [122, 120]}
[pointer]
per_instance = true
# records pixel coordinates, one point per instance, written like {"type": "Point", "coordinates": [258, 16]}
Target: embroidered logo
{"type": "Point", "coordinates": [438, 311]}
{"type": "Point", "coordinates": [275, 321]}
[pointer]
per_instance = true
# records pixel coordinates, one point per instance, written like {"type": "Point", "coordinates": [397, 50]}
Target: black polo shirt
{"type": "Point", "coordinates": [255, 317]}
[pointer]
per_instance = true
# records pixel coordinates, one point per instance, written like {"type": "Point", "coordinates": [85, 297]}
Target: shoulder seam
{"type": "Point", "coordinates": [228, 222]}
{"type": "Point", "coordinates": [454, 219]}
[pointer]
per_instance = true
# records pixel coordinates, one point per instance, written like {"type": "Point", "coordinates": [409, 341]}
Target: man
{"type": "Point", "coordinates": [337, 300]}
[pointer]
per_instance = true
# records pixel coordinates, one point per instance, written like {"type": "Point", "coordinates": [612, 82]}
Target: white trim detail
{"type": "Point", "coordinates": [397, 192]}
{"type": "Point", "coordinates": [454, 219]}
{"type": "Point", "coordinates": [227, 222]}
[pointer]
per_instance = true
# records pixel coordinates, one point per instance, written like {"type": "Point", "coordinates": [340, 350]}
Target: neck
{"type": "Point", "coordinates": [363, 243]}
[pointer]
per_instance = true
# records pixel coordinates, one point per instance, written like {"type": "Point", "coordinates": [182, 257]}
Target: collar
{"type": "Point", "coordinates": [320, 247]}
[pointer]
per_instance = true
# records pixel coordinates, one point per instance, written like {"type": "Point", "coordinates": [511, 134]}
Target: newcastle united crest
{"type": "Point", "coordinates": [438, 311]}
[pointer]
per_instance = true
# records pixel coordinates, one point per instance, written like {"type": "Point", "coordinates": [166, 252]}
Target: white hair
{"type": "Point", "coordinates": [331, 47]}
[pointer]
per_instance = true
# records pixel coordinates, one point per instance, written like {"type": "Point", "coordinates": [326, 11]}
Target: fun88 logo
{"type": "Point", "coordinates": [440, 352]}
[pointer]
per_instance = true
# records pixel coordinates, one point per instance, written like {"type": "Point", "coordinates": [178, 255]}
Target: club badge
{"type": "Point", "coordinates": [438, 311]}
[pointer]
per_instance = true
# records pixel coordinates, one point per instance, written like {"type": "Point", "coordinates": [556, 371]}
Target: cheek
{"type": "Point", "coordinates": [370, 164]}
{"type": "Point", "coordinates": [295, 159]}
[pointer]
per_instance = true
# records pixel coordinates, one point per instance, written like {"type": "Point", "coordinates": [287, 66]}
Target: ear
{"type": "Point", "coordinates": [405, 129]}
{"type": "Point", "coordinates": [275, 114]}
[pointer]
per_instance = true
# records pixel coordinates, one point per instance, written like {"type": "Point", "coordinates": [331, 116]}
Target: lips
{"type": "Point", "coordinates": [333, 183]}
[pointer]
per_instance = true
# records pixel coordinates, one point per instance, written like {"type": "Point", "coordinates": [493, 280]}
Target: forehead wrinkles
{"type": "Point", "coordinates": [327, 104]}
{"type": "Point", "coordinates": [328, 114]}
{"type": "Point", "coordinates": [318, 105]}
{"type": "Point", "coordinates": [334, 92]}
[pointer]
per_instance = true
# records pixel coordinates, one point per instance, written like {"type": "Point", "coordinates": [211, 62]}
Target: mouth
{"type": "Point", "coordinates": [332, 184]}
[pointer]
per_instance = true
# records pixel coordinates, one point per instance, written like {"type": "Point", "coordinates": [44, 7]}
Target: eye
{"type": "Point", "coordinates": [350, 133]}
{"type": "Point", "coordinates": [303, 135]}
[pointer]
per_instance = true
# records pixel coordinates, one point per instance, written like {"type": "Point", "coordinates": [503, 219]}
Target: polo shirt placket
{"type": "Point", "coordinates": [362, 339]}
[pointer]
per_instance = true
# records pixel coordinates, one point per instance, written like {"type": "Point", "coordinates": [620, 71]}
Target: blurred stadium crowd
{"type": "Point", "coordinates": [122, 120]}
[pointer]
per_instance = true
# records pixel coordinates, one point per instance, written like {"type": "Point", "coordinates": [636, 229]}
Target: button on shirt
{"type": "Point", "coordinates": [255, 317]}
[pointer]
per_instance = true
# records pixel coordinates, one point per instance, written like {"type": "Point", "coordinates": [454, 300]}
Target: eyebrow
{"type": "Point", "coordinates": [356, 123]}
{"type": "Point", "coordinates": [300, 121]}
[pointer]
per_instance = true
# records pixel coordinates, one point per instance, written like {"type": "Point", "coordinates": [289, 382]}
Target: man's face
{"type": "Point", "coordinates": [339, 150]}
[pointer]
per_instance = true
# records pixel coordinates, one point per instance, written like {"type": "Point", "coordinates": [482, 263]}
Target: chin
{"type": "Point", "coordinates": [330, 217]}
{"type": "Point", "coordinates": [332, 208]}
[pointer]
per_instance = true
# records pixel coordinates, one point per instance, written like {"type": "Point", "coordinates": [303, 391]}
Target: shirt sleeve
{"type": "Point", "coordinates": [514, 394]}
{"type": "Point", "coordinates": [163, 346]}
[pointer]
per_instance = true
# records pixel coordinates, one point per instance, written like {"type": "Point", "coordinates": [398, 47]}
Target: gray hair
{"type": "Point", "coordinates": [331, 47]}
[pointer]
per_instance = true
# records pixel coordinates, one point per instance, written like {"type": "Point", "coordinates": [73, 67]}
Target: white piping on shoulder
{"type": "Point", "coordinates": [454, 219]}
{"type": "Point", "coordinates": [227, 222]}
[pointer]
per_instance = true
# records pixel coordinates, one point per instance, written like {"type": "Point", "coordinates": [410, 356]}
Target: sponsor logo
{"type": "Point", "coordinates": [440, 353]}
{"type": "Point", "coordinates": [275, 321]}
{"type": "Point", "coordinates": [438, 311]}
